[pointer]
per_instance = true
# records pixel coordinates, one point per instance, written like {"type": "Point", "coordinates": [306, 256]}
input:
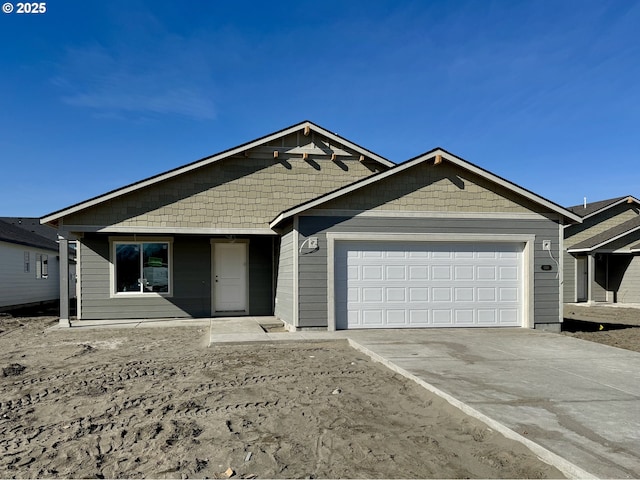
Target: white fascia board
{"type": "Point", "coordinates": [399, 168]}
{"type": "Point", "coordinates": [209, 160]}
{"type": "Point", "coordinates": [579, 250]}
{"type": "Point", "coordinates": [170, 230]}
{"type": "Point", "coordinates": [623, 200]}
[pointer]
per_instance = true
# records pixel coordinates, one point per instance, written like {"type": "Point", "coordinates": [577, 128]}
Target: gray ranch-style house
{"type": "Point", "coordinates": [324, 234]}
{"type": "Point", "coordinates": [602, 254]}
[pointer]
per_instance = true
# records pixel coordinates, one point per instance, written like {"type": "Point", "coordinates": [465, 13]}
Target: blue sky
{"type": "Point", "coordinates": [97, 95]}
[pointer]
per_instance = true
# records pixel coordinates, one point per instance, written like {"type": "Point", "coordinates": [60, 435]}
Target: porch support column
{"type": "Point", "coordinates": [63, 245]}
{"type": "Point", "coordinates": [591, 270]}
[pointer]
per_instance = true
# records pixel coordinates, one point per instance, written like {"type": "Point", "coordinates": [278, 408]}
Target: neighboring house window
{"type": "Point", "coordinates": [27, 262]}
{"type": "Point", "coordinates": [42, 266]}
{"type": "Point", "coordinates": [142, 267]}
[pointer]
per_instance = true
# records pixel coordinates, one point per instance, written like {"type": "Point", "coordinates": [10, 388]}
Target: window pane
{"type": "Point", "coordinates": [156, 267]}
{"type": "Point", "coordinates": [128, 268]}
{"type": "Point", "coordinates": [45, 266]}
{"type": "Point", "coordinates": [38, 265]}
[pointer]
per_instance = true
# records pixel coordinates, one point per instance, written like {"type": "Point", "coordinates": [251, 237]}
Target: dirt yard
{"type": "Point", "coordinates": [614, 335]}
{"type": "Point", "coordinates": [158, 403]}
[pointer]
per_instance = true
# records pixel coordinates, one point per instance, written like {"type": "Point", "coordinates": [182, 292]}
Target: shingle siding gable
{"type": "Point", "coordinates": [237, 192]}
{"type": "Point", "coordinates": [437, 188]}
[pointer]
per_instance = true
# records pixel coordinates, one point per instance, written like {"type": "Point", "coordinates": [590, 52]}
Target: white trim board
{"type": "Point", "coordinates": [169, 230]}
{"type": "Point", "coordinates": [527, 259]}
{"type": "Point", "coordinates": [426, 214]}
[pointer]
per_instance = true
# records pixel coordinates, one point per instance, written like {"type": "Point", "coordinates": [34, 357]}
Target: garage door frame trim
{"type": "Point", "coordinates": [527, 257]}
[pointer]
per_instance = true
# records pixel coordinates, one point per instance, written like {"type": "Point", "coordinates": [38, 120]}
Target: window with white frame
{"type": "Point", "coordinates": [142, 267]}
{"type": "Point", "coordinates": [27, 262]}
{"type": "Point", "coordinates": [42, 265]}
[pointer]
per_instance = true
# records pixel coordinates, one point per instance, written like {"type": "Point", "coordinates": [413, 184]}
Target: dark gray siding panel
{"type": "Point", "coordinates": [261, 275]}
{"type": "Point", "coordinates": [312, 266]}
{"type": "Point", "coordinates": [191, 281]}
{"type": "Point", "coordinates": [284, 283]}
{"type": "Point", "coordinates": [629, 291]}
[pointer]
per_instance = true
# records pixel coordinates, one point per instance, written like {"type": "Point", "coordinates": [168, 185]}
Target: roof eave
{"type": "Point", "coordinates": [606, 242]}
{"type": "Point", "coordinates": [628, 199]}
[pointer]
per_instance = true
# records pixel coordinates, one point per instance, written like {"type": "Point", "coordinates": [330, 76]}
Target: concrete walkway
{"type": "Point", "coordinates": [574, 403]}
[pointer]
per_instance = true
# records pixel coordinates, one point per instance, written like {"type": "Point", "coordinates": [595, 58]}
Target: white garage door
{"type": "Point", "coordinates": [426, 284]}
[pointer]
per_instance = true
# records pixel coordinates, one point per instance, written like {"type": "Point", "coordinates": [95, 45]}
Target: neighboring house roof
{"type": "Point", "coordinates": [593, 208]}
{"type": "Point", "coordinates": [33, 225]}
{"type": "Point", "coordinates": [608, 236]}
{"type": "Point", "coordinates": [306, 126]}
{"type": "Point", "coordinates": [431, 155]}
{"type": "Point", "coordinates": [14, 234]}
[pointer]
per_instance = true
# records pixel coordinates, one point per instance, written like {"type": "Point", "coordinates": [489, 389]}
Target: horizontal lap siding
{"type": "Point", "coordinates": [629, 291]}
{"type": "Point", "coordinates": [191, 278]}
{"type": "Point", "coordinates": [312, 266]}
{"type": "Point", "coordinates": [284, 284]}
{"type": "Point", "coordinates": [20, 287]}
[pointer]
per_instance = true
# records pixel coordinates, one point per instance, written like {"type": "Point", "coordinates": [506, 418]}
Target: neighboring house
{"type": "Point", "coordinates": [33, 225]}
{"type": "Point", "coordinates": [310, 227]}
{"type": "Point", "coordinates": [28, 268]}
{"type": "Point", "coordinates": [602, 254]}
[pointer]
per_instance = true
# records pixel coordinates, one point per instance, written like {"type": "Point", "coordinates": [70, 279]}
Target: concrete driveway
{"type": "Point", "coordinates": [574, 403]}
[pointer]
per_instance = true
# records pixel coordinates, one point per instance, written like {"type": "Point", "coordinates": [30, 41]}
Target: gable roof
{"type": "Point", "coordinates": [20, 236]}
{"type": "Point", "coordinates": [306, 126]}
{"type": "Point", "coordinates": [593, 208]}
{"type": "Point", "coordinates": [608, 236]}
{"type": "Point", "coordinates": [415, 161]}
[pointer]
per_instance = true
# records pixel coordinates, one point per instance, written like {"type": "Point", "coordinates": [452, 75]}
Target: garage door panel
{"type": "Point", "coordinates": [395, 272]}
{"type": "Point", "coordinates": [442, 318]}
{"type": "Point", "coordinates": [370, 294]}
{"type": "Point", "coordinates": [465, 317]}
{"type": "Point", "coordinates": [418, 294]}
{"type": "Point", "coordinates": [509, 295]}
{"type": "Point", "coordinates": [397, 285]}
{"type": "Point", "coordinates": [487, 316]}
{"type": "Point", "coordinates": [441, 272]}
{"type": "Point", "coordinates": [508, 317]}
{"type": "Point", "coordinates": [463, 272]}
{"type": "Point", "coordinates": [372, 318]}
{"type": "Point", "coordinates": [396, 318]}
{"type": "Point", "coordinates": [486, 294]}
{"type": "Point", "coordinates": [418, 272]}
{"type": "Point", "coordinates": [395, 294]}
{"type": "Point", "coordinates": [464, 294]}
{"type": "Point", "coordinates": [419, 317]}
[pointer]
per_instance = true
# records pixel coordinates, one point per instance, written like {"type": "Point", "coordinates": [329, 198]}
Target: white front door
{"type": "Point", "coordinates": [229, 278]}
